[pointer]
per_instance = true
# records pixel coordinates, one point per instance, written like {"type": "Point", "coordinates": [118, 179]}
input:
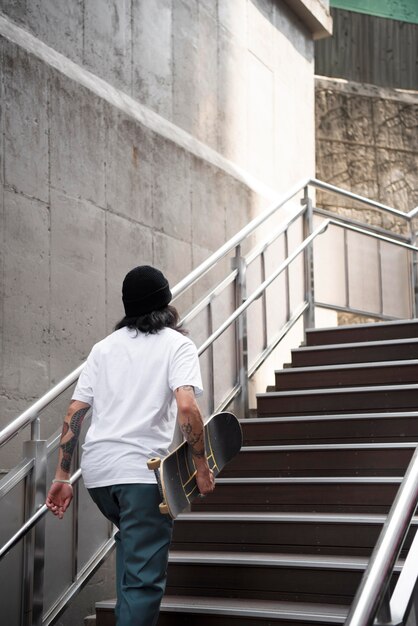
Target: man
{"type": "Point", "coordinates": [136, 380]}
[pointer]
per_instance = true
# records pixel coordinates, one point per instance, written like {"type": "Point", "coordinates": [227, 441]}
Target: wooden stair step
{"type": "Point", "coordinates": [380, 331]}
{"type": "Point", "coordinates": [347, 375]}
{"type": "Point", "coordinates": [367, 459]}
{"type": "Point", "coordinates": [328, 428]}
{"type": "Point", "coordinates": [294, 577]}
{"type": "Point", "coordinates": [318, 494]}
{"type": "Point", "coordinates": [202, 611]}
{"type": "Point", "coordinates": [361, 352]}
{"type": "Point", "coordinates": [321, 533]}
{"type": "Point", "coordinates": [246, 612]}
{"type": "Point", "coordinates": [344, 399]}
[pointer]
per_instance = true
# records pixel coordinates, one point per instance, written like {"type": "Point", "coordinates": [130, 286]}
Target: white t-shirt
{"type": "Point", "coordinates": [130, 380]}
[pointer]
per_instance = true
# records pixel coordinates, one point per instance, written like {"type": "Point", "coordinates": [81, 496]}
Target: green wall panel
{"type": "Point", "coordinates": [403, 10]}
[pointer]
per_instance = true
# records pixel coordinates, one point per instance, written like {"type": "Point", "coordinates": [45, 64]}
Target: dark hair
{"type": "Point", "coordinates": [151, 323]}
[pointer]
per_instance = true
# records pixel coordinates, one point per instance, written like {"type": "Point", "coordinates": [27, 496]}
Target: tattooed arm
{"type": "Point", "coordinates": [61, 493]}
{"type": "Point", "coordinates": [191, 425]}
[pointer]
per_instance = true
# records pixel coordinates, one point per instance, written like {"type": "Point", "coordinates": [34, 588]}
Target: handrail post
{"type": "Point", "coordinates": [75, 515]}
{"type": "Point", "coordinates": [405, 595]}
{"type": "Point", "coordinates": [384, 614]}
{"type": "Point", "coordinates": [239, 264]}
{"type": "Point", "coordinates": [309, 315]}
{"type": "Point", "coordinates": [34, 542]}
{"type": "Point", "coordinates": [211, 362]}
{"type": "Point", "coordinates": [35, 429]}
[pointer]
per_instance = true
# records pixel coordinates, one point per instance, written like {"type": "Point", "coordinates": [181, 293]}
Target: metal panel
{"type": "Point", "coordinates": [330, 268]}
{"type": "Point", "coordinates": [369, 49]}
{"type": "Point", "coordinates": [58, 549]}
{"type": "Point", "coordinates": [225, 375]}
{"type": "Point", "coordinates": [89, 517]}
{"type": "Point", "coordinates": [255, 336]}
{"type": "Point", "coordinates": [364, 273]}
{"type": "Point", "coordinates": [275, 300]}
{"type": "Point", "coordinates": [11, 566]}
{"type": "Point", "coordinates": [396, 265]}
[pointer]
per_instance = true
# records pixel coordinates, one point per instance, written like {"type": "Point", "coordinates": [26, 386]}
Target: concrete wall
{"type": "Point", "coordinates": [367, 142]}
{"type": "Point", "coordinates": [94, 182]}
{"type": "Point", "coordinates": [219, 70]}
{"type": "Point", "coordinates": [144, 132]}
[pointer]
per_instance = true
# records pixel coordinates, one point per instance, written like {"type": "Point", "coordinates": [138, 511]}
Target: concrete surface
{"type": "Point", "coordinates": [367, 141]}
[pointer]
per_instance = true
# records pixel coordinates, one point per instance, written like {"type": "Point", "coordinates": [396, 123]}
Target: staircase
{"type": "Point", "coordinates": [287, 534]}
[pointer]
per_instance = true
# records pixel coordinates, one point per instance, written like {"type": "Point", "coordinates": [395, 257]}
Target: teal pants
{"type": "Point", "coordinates": [142, 544]}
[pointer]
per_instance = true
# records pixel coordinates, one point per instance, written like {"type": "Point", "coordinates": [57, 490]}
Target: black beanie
{"type": "Point", "coordinates": [144, 289]}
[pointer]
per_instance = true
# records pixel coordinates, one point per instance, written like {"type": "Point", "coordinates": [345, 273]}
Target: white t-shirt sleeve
{"type": "Point", "coordinates": [85, 384]}
{"type": "Point", "coordinates": [185, 368]}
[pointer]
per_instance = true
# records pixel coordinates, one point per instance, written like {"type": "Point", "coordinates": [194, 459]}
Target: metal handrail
{"type": "Point", "coordinates": [15, 475]}
{"type": "Point", "coordinates": [319, 184]}
{"type": "Point", "coordinates": [236, 240]}
{"type": "Point", "coordinates": [376, 578]}
{"type": "Point", "coordinates": [30, 523]}
{"type": "Point", "coordinates": [363, 231]}
{"type": "Point", "coordinates": [31, 413]}
{"type": "Point", "coordinates": [28, 416]}
{"type": "Point", "coordinates": [261, 289]}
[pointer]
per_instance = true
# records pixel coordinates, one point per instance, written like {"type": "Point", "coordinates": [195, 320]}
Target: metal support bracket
{"type": "Point", "coordinates": [309, 315]}
{"type": "Point", "coordinates": [34, 542]}
{"type": "Point", "coordinates": [238, 263]}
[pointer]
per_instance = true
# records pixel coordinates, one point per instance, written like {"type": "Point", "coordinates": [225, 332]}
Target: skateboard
{"type": "Point", "coordinates": [176, 473]}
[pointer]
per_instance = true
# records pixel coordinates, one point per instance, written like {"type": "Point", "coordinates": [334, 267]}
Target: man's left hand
{"type": "Point", "coordinates": [59, 498]}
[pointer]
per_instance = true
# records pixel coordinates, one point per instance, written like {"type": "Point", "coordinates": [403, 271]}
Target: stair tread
{"type": "Point", "coordinates": [314, 479]}
{"type": "Point", "coordinates": [356, 344]}
{"type": "Point", "coordinates": [267, 559]}
{"type": "Point", "coordinates": [268, 609]}
{"type": "Point", "coordinates": [331, 446]}
{"type": "Point", "coordinates": [329, 417]}
{"type": "Point", "coordinates": [277, 517]}
{"type": "Point", "coordinates": [400, 322]}
{"type": "Point", "coordinates": [347, 366]}
{"type": "Point", "coordinates": [338, 390]}
{"type": "Point", "coordinates": [365, 325]}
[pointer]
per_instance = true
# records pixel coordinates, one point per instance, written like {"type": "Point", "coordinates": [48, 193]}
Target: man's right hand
{"type": "Point", "coordinates": [205, 480]}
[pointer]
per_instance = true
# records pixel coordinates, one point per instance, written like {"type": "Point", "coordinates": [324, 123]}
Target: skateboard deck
{"type": "Point", "coordinates": [176, 473]}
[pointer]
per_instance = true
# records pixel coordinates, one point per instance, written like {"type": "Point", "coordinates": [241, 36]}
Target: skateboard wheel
{"type": "Point", "coordinates": [154, 463]}
{"type": "Point", "coordinates": [163, 508]}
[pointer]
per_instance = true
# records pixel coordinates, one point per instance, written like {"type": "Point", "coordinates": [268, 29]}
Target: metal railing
{"type": "Point", "coordinates": [33, 468]}
{"type": "Point", "coordinates": [372, 598]}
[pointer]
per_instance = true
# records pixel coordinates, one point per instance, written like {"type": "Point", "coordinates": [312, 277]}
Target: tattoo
{"type": "Point", "coordinates": [187, 388]}
{"type": "Point", "coordinates": [73, 430]}
{"type": "Point", "coordinates": [195, 440]}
